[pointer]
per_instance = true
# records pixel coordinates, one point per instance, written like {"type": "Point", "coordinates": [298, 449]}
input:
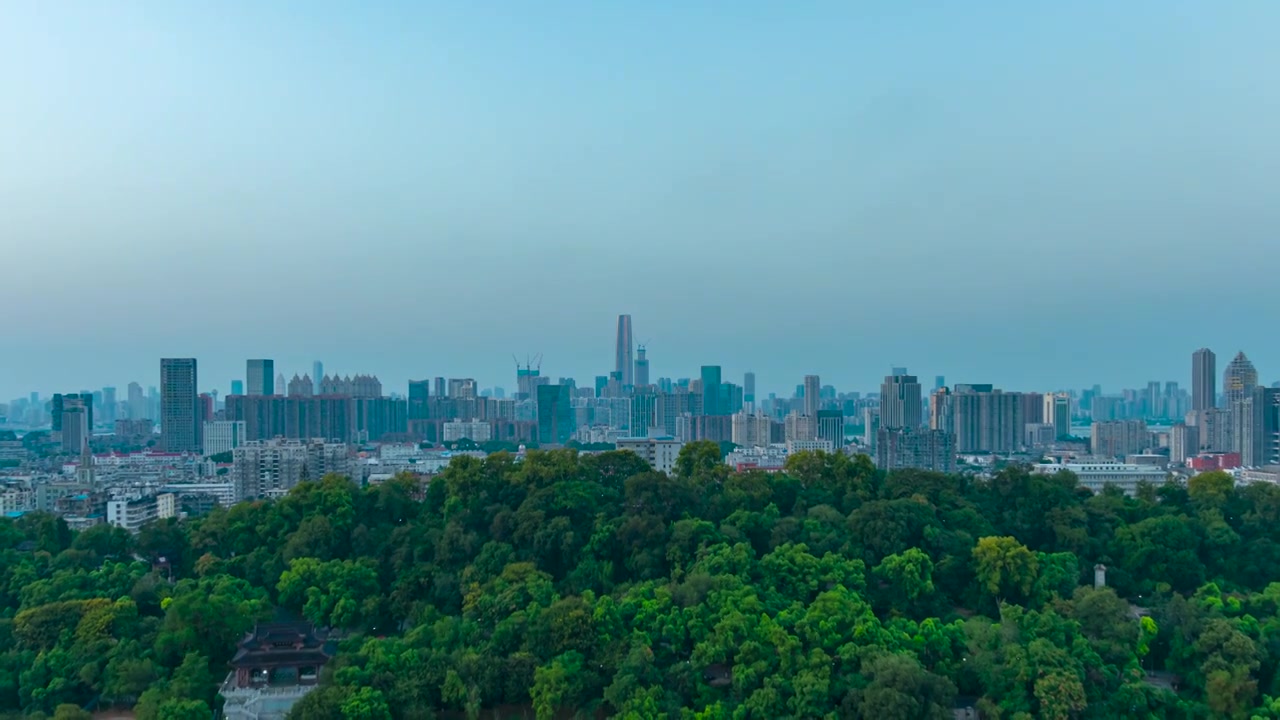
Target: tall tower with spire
{"type": "Point", "coordinates": [624, 361]}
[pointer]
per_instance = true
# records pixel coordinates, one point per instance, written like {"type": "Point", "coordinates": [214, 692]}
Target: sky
{"type": "Point", "coordinates": [1039, 195]}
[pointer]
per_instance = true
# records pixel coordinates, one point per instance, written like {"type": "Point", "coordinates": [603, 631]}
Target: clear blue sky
{"type": "Point", "coordinates": [1034, 194]}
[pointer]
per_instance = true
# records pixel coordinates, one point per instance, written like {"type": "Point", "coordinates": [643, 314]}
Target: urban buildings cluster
{"type": "Point", "coordinates": [94, 456]}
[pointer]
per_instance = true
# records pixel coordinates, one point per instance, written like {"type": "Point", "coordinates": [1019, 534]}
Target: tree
{"type": "Point", "coordinates": [366, 704]}
{"type": "Point", "coordinates": [1004, 566]}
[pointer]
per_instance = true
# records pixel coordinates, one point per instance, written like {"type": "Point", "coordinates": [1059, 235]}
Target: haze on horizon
{"type": "Point", "coordinates": [1035, 195]}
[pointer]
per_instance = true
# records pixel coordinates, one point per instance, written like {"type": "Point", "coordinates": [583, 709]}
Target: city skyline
{"type": "Point", "coordinates": [294, 199]}
{"type": "Point", "coordinates": [781, 387]}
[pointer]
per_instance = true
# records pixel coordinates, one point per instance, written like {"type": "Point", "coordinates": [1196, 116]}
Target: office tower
{"type": "Point", "coordinates": [317, 372]}
{"type": "Point", "coordinates": [419, 399]}
{"type": "Point", "coordinates": [75, 426]}
{"type": "Point", "coordinates": [260, 377]}
{"type": "Point", "coordinates": [1152, 400]}
{"type": "Point", "coordinates": [831, 427]}
{"type": "Point", "coordinates": [812, 395]}
{"type": "Point", "coordinates": [730, 400]}
{"type": "Point", "coordinates": [899, 371]}
{"type": "Point", "coordinates": [555, 415]}
{"type": "Point", "coordinates": [749, 387]}
{"type": "Point", "coordinates": [642, 367]}
{"type": "Point", "coordinates": [1119, 438]}
{"type": "Point", "coordinates": [137, 402]}
{"type": "Point", "coordinates": [623, 360]}
{"type": "Point", "coordinates": [1203, 379]}
{"type": "Point", "coordinates": [462, 388]}
{"type": "Point", "coordinates": [1239, 379]}
{"type": "Point", "coordinates": [179, 417]}
{"type": "Point", "coordinates": [110, 410]}
{"type": "Point", "coordinates": [439, 387]}
{"type": "Point", "coordinates": [900, 404]}
{"type": "Point", "coordinates": [644, 407]}
{"type": "Point", "coordinates": [939, 382]}
{"type": "Point", "coordinates": [1057, 412]}
{"type": "Point", "coordinates": [237, 387]}
{"type": "Point", "coordinates": [898, 448]}
{"type": "Point", "coordinates": [61, 401]}
{"type": "Point", "coordinates": [204, 409]}
{"type": "Point", "coordinates": [711, 390]}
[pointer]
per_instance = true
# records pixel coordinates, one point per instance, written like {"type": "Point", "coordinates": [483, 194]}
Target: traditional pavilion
{"type": "Point", "coordinates": [280, 654]}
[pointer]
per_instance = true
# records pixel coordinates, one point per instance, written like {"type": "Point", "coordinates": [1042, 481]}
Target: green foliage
{"type": "Point", "coordinates": [590, 585]}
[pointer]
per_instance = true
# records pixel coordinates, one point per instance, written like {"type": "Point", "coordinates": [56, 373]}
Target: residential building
{"type": "Point", "coordinates": [752, 429]}
{"type": "Point", "coordinates": [478, 431]}
{"type": "Point", "coordinates": [660, 452]}
{"type": "Point", "coordinates": [179, 415]}
{"type": "Point", "coordinates": [1260, 428]}
{"type": "Point", "coordinates": [137, 403]}
{"type": "Point", "coordinates": [260, 377]}
{"type": "Point", "coordinates": [132, 514]}
{"type": "Point", "coordinates": [61, 401]}
{"type": "Point", "coordinates": [801, 427]}
{"type": "Point", "coordinates": [815, 445]}
{"type": "Point", "coordinates": [1184, 443]}
{"type": "Point", "coordinates": [223, 436]}
{"type": "Point", "coordinates": [941, 413]}
{"type": "Point", "coordinates": [900, 404]}
{"type": "Point", "coordinates": [555, 415]}
{"type": "Point", "coordinates": [419, 399]}
{"type": "Point", "coordinates": [988, 420]}
{"type": "Point", "coordinates": [301, 386]}
{"type": "Point", "coordinates": [269, 469]}
{"type": "Point", "coordinates": [1057, 412]}
{"type": "Point", "coordinates": [710, 377]}
{"type": "Point", "coordinates": [1119, 438]}
{"type": "Point", "coordinates": [898, 448]}
{"type": "Point", "coordinates": [1204, 379]}
{"type": "Point", "coordinates": [830, 427]}
{"type": "Point", "coordinates": [812, 395]}
{"type": "Point", "coordinates": [317, 372]}
{"type": "Point", "coordinates": [75, 427]}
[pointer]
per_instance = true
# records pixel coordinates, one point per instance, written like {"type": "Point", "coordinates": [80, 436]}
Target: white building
{"type": "Point", "coordinates": [475, 430]}
{"type": "Point", "coordinates": [795, 446]}
{"type": "Point", "coordinates": [15, 500]}
{"type": "Point", "coordinates": [769, 457]}
{"type": "Point", "coordinates": [132, 514]}
{"type": "Point", "coordinates": [222, 436]}
{"type": "Point", "coordinates": [1096, 475]}
{"type": "Point", "coordinates": [224, 493]}
{"type": "Point", "coordinates": [659, 452]}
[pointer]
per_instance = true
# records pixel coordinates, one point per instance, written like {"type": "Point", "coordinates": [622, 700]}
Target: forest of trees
{"type": "Point", "coordinates": [589, 585]}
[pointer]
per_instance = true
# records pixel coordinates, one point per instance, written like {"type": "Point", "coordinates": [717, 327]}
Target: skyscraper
{"type": "Point", "coordinates": [1203, 379]}
{"type": "Point", "coordinates": [237, 387]}
{"type": "Point", "coordinates": [317, 372]}
{"type": "Point", "coordinates": [749, 387]}
{"type": "Point", "coordinates": [137, 402]}
{"type": "Point", "coordinates": [419, 396]}
{"type": "Point", "coordinates": [812, 395]}
{"type": "Point", "coordinates": [1239, 379]}
{"type": "Point", "coordinates": [711, 390]}
{"type": "Point", "coordinates": [109, 406]}
{"type": "Point", "coordinates": [642, 368]}
{"type": "Point", "coordinates": [555, 415]}
{"type": "Point", "coordinates": [179, 413]}
{"type": "Point", "coordinates": [1057, 412]}
{"type": "Point", "coordinates": [900, 405]}
{"type": "Point", "coordinates": [623, 358]}
{"type": "Point", "coordinates": [260, 376]}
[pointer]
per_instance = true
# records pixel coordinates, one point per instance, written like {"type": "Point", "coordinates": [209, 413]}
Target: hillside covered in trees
{"type": "Point", "coordinates": [571, 584]}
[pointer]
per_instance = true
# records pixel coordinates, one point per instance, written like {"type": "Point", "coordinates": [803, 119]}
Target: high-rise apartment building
{"type": "Point", "coordinates": [1260, 428]}
{"type": "Point", "coordinates": [711, 390]}
{"type": "Point", "coordinates": [1184, 443]}
{"type": "Point", "coordinates": [899, 448]}
{"type": "Point", "coordinates": [831, 427]}
{"type": "Point", "coordinates": [941, 414]}
{"type": "Point", "coordinates": [1120, 438]}
{"type": "Point", "coordinates": [260, 376]}
{"type": "Point", "coordinates": [624, 361]}
{"type": "Point", "coordinates": [1057, 412]}
{"type": "Point", "coordinates": [900, 404]}
{"type": "Point", "coordinates": [988, 420]}
{"type": "Point", "coordinates": [317, 373]}
{"type": "Point", "coordinates": [812, 395]}
{"type": "Point", "coordinates": [1204, 379]}
{"type": "Point", "coordinates": [220, 436]}
{"type": "Point", "coordinates": [179, 408]}
{"type": "Point", "coordinates": [555, 415]}
{"type": "Point", "coordinates": [61, 401]}
{"type": "Point", "coordinates": [75, 427]}
{"type": "Point", "coordinates": [419, 399]}
{"type": "Point", "coordinates": [137, 403]}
